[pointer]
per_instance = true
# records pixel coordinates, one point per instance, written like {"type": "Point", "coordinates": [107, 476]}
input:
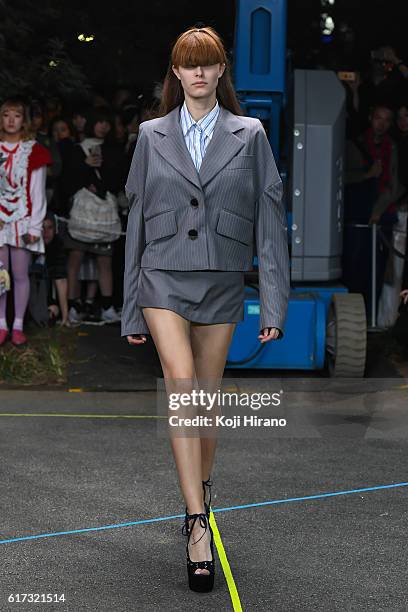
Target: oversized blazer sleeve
{"type": "Point", "coordinates": [270, 236]}
{"type": "Point", "coordinates": [133, 321]}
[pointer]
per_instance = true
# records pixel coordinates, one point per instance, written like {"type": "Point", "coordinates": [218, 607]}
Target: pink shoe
{"type": "Point", "coordinates": [3, 336]}
{"type": "Point", "coordinates": [18, 338]}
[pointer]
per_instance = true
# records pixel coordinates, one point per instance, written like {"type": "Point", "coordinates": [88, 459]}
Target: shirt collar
{"type": "Point", "coordinates": [206, 123]}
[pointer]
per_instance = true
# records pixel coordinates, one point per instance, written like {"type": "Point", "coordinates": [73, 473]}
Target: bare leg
{"type": "Point", "coordinates": [171, 335]}
{"type": "Point", "coordinates": [91, 285]}
{"type": "Point", "coordinates": [210, 344]}
{"type": "Point", "coordinates": [75, 258]}
{"type": "Point", "coordinates": [104, 263]}
{"type": "Point", "coordinates": [91, 289]}
{"type": "Point", "coordinates": [62, 292]}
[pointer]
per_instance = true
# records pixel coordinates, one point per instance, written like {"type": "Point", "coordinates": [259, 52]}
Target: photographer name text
{"type": "Point", "coordinates": [223, 421]}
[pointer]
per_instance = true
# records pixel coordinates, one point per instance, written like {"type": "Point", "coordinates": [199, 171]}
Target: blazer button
{"type": "Point", "coordinates": [192, 234]}
{"type": "Point", "coordinates": [194, 202]}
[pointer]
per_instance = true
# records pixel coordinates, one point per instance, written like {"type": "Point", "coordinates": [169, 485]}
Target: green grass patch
{"type": "Point", "coordinates": [44, 360]}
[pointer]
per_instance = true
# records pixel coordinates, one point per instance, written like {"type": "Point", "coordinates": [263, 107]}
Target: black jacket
{"type": "Point", "coordinates": [112, 173]}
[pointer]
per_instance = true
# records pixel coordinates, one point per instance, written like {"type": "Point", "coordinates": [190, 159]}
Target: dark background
{"type": "Point", "coordinates": [133, 39]}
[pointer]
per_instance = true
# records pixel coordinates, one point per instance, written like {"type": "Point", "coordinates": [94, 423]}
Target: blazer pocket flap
{"type": "Point", "coordinates": [241, 162]}
{"type": "Point", "coordinates": [234, 226]}
{"type": "Point", "coordinates": [161, 225]}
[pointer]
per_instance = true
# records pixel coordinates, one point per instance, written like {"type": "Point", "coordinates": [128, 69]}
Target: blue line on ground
{"type": "Point", "coordinates": [227, 509]}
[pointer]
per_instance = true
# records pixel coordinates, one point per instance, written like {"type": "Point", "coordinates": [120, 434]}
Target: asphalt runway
{"type": "Point", "coordinates": [105, 362]}
{"type": "Point", "coordinates": [90, 508]}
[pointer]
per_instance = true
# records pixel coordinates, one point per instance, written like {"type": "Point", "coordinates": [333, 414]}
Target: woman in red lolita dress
{"type": "Point", "coordinates": [23, 206]}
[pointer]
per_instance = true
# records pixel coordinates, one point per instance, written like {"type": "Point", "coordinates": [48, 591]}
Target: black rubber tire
{"type": "Point", "coordinates": [346, 336]}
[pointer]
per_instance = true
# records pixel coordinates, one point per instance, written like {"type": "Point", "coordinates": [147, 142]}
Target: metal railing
{"type": "Point", "coordinates": [377, 229]}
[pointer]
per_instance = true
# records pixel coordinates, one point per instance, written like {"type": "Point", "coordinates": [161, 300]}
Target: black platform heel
{"type": "Point", "coordinates": [201, 583]}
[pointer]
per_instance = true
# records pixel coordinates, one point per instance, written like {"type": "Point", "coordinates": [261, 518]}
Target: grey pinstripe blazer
{"type": "Point", "coordinates": [181, 219]}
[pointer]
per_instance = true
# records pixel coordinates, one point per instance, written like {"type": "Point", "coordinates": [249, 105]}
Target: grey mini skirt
{"type": "Point", "coordinates": [200, 296]}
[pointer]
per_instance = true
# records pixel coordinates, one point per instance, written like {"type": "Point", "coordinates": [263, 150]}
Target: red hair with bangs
{"type": "Point", "coordinates": [198, 47]}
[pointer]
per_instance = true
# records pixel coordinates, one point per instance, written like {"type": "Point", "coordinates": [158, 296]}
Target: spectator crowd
{"type": "Point", "coordinates": [376, 182]}
{"type": "Point", "coordinates": [63, 209]}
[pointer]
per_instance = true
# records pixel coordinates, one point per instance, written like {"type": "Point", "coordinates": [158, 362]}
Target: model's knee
{"type": "Point", "coordinates": [178, 368]}
{"type": "Point", "coordinates": [176, 371]}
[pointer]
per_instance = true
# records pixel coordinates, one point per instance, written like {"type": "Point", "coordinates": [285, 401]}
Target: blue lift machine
{"type": "Point", "coordinates": [326, 325]}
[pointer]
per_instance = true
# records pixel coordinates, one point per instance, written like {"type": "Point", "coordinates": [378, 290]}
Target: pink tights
{"type": "Point", "coordinates": [20, 261]}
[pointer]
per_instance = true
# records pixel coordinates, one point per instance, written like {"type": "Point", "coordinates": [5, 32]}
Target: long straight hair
{"type": "Point", "coordinates": [198, 47]}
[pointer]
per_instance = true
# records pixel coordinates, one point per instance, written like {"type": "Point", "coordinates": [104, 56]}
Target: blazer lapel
{"type": "Point", "coordinates": [170, 144]}
{"type": "Point", "coordinates": [223, 146]}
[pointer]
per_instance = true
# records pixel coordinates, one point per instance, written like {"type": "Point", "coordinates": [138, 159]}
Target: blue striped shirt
{"type": "Point", "coordinates": [198, 134]}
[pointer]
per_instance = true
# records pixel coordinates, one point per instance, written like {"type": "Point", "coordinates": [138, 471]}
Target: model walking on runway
{"type": "Point", "coordinates": [203, 191]}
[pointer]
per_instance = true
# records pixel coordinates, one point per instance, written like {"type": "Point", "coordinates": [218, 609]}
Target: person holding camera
{"type": "Point", "coordinates": [23, 206]}
{"type": "Point", "coordinates": [97, 165]}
